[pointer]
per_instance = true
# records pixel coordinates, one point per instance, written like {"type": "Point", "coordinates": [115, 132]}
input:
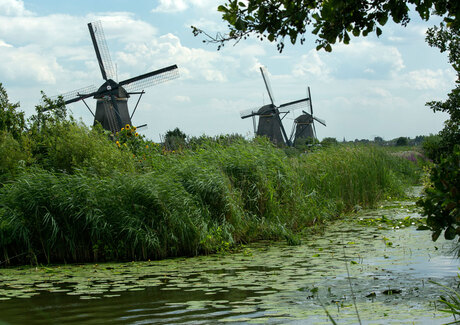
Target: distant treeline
{"type": "Point", "coordinates": [400, 141]}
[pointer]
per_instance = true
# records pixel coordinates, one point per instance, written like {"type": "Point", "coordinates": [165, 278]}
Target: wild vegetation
{"type": "Point", "coordinates": [72, 193]}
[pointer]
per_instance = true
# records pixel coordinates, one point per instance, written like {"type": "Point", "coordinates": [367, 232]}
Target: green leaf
{"type": "Point", "coordinates": [423, 227]}
{"type": "Point", "coordinates": [436, 234]}
{"type": "Point", "coordinates": [328, 48]}
{"type": "Point", "coordinates": [450, 233]}
{"type": "Point", "coordinates": [382, 19]}
{"type": "Point", "coordinates": [222, 8]}
{"type": "Point", "coordinates": [378, 31]}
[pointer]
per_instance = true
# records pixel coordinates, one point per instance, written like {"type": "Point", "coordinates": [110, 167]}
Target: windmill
{"type": "Point", "coordinates": [271, 116]}
{"type": "Point", "coordinates": [305, 125]}
{"type": "Point", "coordinates": [112, 97]}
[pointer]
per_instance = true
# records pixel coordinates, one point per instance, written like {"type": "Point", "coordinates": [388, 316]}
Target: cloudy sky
{"type": "Point", "coordinates": [372, 87]}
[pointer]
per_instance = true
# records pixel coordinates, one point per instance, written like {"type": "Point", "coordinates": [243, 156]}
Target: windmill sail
{"type": "Point", "coordinates": [294, 105]}
{"type": "Point", "coordinates": [323, 122]}
{"type": "Point", "coordinates": [76, 95]}
{"type": "Point", "coordinates": [101, 49]}
{"type": "Point", "coordinates": [264, 72]}
{"type": "Point", "coordinates": [150, 79]}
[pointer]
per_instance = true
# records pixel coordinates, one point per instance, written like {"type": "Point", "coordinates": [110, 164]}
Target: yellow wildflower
{"type": "Point", "coordinates": [134, 128]}
{"type": "Point", "coordinates": [136, 134]}
{"type": "Point", "coordinates": [147, 146]}
{"type": "Point", "coordinates": [122, 129]}
{"type": "Point", "coordinates": [127, 126]}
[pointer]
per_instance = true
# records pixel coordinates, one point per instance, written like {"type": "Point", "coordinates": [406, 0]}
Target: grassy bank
{"type": "Point", "coordinates": [163, 203]}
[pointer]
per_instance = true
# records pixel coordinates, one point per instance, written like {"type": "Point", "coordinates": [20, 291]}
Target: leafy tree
{"type": "Point", "coordinates": [448, 40]}
{"type": "Point", "coordinates": [378, 139]}
{"type": "Point", "coordinates": [46, 127]}
{"type": "Point", "coordinates": [329, 141]}
{"type": "Point", "coordinates": [11, 120]}
{"type": "Point", "coordinates": [402, 141]}
{"type": "Point", "coordinates": [175, 139]}
{"type": "Point", "coordinates": [442, 197]}
{"type": "Point", "coordinates": [441, 204]}
{"type": "Point", "coordinates": [431, 147]}
{"type": "Point", "coordinates": [331, 21]}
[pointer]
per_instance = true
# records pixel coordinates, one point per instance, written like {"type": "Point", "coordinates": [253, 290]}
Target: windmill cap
{"type": "Point", "coordinates": [110, 87]}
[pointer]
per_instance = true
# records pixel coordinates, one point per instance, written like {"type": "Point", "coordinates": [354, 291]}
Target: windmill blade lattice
{"type": "Point", "coordinates": [311, 104]}
{"type": "Point", "coordinates": [75, 95]}
{"type": "Point", "coordinates": [249, 112]}
{"type": "Point", "coordinates": [150, 79]}
{"type": "Point", "coordinates": [291, 106]}
{"type": "Point", "coordinates": [268, 85]}
{"type": "Point", "coordinates": [323, 122]}
{"type": "Point", "coordinates": [102, 51]}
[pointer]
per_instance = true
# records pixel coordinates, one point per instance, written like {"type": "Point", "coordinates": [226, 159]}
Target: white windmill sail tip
{"type": "Point", "coordinates": [323, 122]}
{"type": "Point", "coordinates": [249, 112]}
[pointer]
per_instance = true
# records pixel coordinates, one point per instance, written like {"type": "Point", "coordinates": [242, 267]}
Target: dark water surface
{"type": "Point", "coordinates": [274, 283]}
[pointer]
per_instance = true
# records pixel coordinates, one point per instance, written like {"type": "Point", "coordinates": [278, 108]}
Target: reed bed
{"type": "Point", "coordinates": [185, 203]}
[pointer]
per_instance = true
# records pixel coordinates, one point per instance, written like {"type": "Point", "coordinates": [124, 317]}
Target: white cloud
{"type": "Point", "coordinates": [429, 79]}
{"type": "Point", "coordinates": [27, 65]}
{"type": "Point", "coordinates": [182, 99]}
{"type": "Point", "coordinates": [168, 6]}
{"type": "Point", "coordinates": [311, 65]}
{"type": "Point", "coordinates": [173, 6]}
{"type": "Point", "coordinates": [13, 8]}
{"type": "Point", "coordinates": [396, 39]}
{"type": "Point", "coordinates": [195, 64]}
{"type": "Point", "coordinates": [2, 43]}
{"type": "Point", "coordinates": [365, 58]}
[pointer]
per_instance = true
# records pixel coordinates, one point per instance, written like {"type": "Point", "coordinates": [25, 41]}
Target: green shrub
{"type": "Point", "coordinates": [442, 197]}
{"type": "Point", "coordinates": [12, 155]}
{"type": "Point", "coordinates": [402, 141]}
{"type": "Point", "coordinates": [431, 146]}
{"type": "Point", "coordinates": [11, 120]}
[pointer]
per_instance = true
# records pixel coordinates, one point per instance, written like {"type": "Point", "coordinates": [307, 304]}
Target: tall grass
{"type": "Point", "coordinates": [190, 202]}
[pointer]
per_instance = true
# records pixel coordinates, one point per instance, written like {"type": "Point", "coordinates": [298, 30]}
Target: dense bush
{"type": "Point", "coordinates": [442, 197]}
{"type": "Point", "coordinates": [441, 203]}
{"type": "Point", "coordinates": [431, 146]}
